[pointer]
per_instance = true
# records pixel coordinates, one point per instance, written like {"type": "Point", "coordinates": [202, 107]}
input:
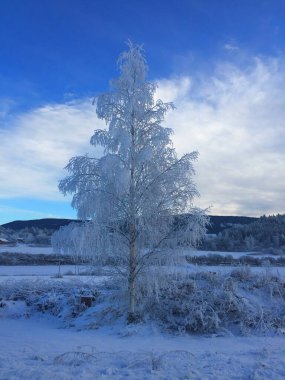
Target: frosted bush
{"type": "Point", "coordinates": [242, 273]}
{"type": "Point", "coordinates": [210, 303]}
{"type": "Point", "coordinates": [202, 303]}
{"type": "Point", "coordinates": [56, 298]}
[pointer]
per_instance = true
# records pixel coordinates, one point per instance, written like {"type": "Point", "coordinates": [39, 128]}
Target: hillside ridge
{"type": "Point", "coordinates": [217, 223]}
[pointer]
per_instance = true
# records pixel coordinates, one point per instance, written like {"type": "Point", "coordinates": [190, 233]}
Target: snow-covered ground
{"type": "Point", "coordinates": [40, 349]}
{"type": "Point", "coordinates": [222, 253]}
{"type": "Point", "coordinates": [43, 347]}
{"type": "Point", "coordinates": [41, 270]}
{"type": "Point", "coordinates": [235, 255]}
{"type": "Point", "coordinates": [34, 270]}
{"type": "Point", "coordinates": [33, 249]}
{"type": "Point", "coordinates": [221, 269]}
{"type": "Point", "coordinates": [25, 248]}
{"type": "Point", "coordinates": [16, 272]}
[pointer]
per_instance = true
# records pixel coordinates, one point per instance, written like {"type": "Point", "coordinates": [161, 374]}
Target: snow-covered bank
{"type": "Point", "coordinates": [41, 338]}
{"type": "Point", "coordinates": [42, 270]}
{"type": "Point", "coordinates": [25, 248]}
{"type": "Point", "coordinates": [39, 349]}
{"type": "Point", "coordinates": [52, 270]}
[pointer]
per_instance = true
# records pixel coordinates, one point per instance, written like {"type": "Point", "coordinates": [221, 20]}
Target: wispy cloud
{"type": "Point", "coordinates": [235, 118]}
{"type": "Point", "coordinates": [231, 46]}
{"type": "Point", "coordinates": [38, 144]}
{"type": "Point", "coordinates": [5, 106]}
{"type": "Point", "coordinates": [24, 213]}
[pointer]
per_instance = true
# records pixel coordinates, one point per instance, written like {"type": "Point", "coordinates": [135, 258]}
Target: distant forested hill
{"type": "Point", "coordinates": [49, 223]}
{"type": "Point", "coordinates": [265, 233]}
{"type": "Point", "coordinates": [218, 223]}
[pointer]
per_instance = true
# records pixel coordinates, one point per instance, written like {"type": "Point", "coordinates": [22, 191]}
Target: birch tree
{"type": "Point", "coordinates": [132, 195]}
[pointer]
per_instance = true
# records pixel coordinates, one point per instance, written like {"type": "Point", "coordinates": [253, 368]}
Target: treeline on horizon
{"type": "Point", "coordinates": [225, 233]}
{"type": "Point", "coordinates": [266, 232]}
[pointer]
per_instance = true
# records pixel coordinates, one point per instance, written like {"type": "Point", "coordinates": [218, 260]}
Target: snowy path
{"type": "Point", "coordinates": [15, 271]}
{"type": "Point", "coordinates": [25, 248]}
{"type": "Point", "coordinates": [222, 269]}
{"type": "Point", "coordinates": [31, 349]}
{"type": "Point", "coordinates": [34, 270]}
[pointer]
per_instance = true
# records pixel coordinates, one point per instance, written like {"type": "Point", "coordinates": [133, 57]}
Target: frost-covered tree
{"type": "Point", "coordinates": [134, 192]}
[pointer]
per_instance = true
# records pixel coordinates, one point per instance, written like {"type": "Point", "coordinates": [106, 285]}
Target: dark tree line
{"type": "Point", "coordinates": [267, 232]}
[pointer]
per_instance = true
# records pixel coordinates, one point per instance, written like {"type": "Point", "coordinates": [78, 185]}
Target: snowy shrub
{"type": "Point", "coordinates": [13, 309]}
{"type": "Point", "coordinates": [56, 298]}
{"type": "Point", "coordinates": [217, 259]}
{"type": "Point", "coordinates": [210, 303]}
{"type": "Point", "coordinates": [240, 302]}
{"type": "Point", "coordinates": [74, 358]}
{"type": "Point", "coordinates": [242, 273]}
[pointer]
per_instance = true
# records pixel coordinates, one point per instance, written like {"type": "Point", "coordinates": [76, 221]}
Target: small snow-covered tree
{"type": "Point", "coordinates": [133, 194]}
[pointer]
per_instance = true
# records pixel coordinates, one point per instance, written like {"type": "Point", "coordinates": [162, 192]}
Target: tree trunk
{"type": "Point", "coordinates": [132, 235]}
{"type": "Point", "coordinates": [131, 284]}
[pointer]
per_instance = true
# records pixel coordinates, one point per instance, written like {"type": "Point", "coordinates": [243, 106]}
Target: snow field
{"type": "Point", "coordinates": [39, 349]}
{"type": "Point", "coordinates": [50, 343]}
{"type": "Point", "coordinates": [20, 272]}
{"type": "Point", "coordinates": [25, 248]}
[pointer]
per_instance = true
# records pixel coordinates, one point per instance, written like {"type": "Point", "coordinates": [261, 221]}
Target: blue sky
{"type": "Point", "coordinates": [221, 62]}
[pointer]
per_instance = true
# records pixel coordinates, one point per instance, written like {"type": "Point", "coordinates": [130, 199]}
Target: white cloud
{"type": "Point", "coordinates": [38, 144]}
{"type": "Point", "coordinates": [231, 47]}
{"type": "Point", "coordinates": [175, 89]}
{"type": "Point", "coordinates": [236, 120]}
{"type": "Point", "coordinates": [234, 117]}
